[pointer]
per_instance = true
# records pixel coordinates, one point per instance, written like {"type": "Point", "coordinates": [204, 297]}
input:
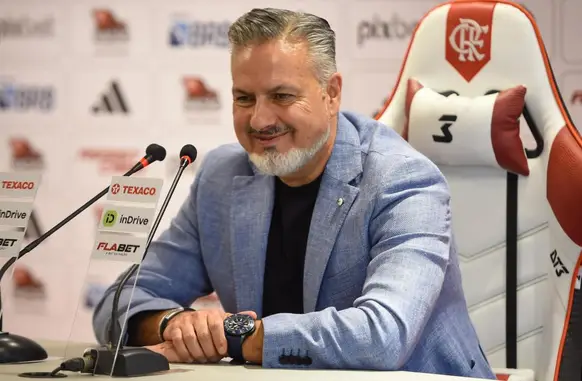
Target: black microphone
{"type": "Point", "coordinates": [136, 361]}
{"type": "Point", "coordinates": [14, 348]}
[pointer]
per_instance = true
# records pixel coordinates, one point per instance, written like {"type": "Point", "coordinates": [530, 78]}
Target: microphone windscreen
{"type": "Point", "coordinates": [156, 151]}
{"type": "Point", "coordinates": [190, 151]}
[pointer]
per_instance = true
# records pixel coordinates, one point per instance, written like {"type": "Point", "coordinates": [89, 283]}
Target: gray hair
{"type": "Point", "coordinates": [266, 24]}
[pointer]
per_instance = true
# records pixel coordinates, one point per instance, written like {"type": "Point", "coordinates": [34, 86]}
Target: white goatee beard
{"type": "Point", "coordinates": [273, 163]}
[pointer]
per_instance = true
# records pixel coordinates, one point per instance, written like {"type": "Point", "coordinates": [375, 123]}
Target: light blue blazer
{"type": "Point", "coordinates": [382, 286]}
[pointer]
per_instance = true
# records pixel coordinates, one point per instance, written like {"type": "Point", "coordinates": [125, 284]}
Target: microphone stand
{"type": "Point", "coordinates": [133, 361]}
{"type": "Point", "coordinates": [15, 348]}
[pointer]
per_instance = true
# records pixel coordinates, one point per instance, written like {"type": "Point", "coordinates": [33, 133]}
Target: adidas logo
{"type": "Point", "coordinates": [112, 101]}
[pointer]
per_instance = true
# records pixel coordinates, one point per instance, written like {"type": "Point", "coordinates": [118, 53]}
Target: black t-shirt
{"type": "Point", "coordinates": [283, 279]}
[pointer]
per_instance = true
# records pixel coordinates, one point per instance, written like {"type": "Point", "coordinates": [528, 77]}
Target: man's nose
{"type": "Point", "coordinates": [263, 115]}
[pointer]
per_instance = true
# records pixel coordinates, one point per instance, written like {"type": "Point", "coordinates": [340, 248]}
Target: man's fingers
{"type": "Point", "coordinates": [205, 337]}
{"type": "Point", "coordinates": [252, 314]}
{"type": "Point", "coordinates": [179, 345]}
{"type": "Point", "coordinates": [167, 350]}
{"type": "Point", "coordinates": [216, 328]}
{"type": "Point", "coordinates": [191, 341]}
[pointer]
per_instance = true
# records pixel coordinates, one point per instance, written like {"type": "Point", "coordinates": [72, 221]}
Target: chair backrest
{"type": "Point", "coordinates": [476, 94]}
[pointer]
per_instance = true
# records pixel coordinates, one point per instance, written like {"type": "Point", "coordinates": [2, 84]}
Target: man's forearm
{"type": "Point", "coordinates": [143, 328]}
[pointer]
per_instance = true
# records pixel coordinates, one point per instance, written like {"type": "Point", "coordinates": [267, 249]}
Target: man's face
{"type": "Point", "coordinates": [282, 115]}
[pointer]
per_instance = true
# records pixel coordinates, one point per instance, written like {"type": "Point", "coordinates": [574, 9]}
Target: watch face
{"type": "Point", "coordinates": [238, 325]}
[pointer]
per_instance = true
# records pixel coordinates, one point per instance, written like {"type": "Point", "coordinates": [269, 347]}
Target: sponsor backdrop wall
{"type": "Point", "coordinates": [86, 85]}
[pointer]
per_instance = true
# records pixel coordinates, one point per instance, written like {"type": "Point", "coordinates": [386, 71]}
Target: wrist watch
{"type": "Point", "coordinates": [237, 328]}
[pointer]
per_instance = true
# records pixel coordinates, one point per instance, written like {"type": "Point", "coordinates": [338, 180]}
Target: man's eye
{"type": "Point", "coordinates": [243, 99]}
{"type": "Point", "coordinates": [283, 97]}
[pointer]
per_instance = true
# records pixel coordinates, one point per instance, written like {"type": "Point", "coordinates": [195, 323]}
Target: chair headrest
{"type": "Point", "coordinates": [471, 49]}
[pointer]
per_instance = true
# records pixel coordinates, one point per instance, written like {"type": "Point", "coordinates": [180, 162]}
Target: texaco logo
{"type": "Point", "coordinates": [115, 189]}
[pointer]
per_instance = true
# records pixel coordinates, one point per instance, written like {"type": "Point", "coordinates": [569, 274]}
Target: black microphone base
{"type": "Point", "coordinates": [15, 349]}
{"type": "Point", "coordinates": [130, 362]}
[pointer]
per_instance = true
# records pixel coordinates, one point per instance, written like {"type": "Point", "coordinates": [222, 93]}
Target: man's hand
{"type": "Point", "coordinates": [196, 336]}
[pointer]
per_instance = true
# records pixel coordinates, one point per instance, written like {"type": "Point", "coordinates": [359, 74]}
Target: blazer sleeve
{"type": "Point", "coordinates": [410, 233]}
{"type": "Point", "coordinates": [171, 275]}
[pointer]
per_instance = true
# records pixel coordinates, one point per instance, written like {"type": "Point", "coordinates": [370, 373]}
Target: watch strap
{"type": "Point", "coordinates": [169, 316]}
{"type": "Point", "coordinates": [234, 345]}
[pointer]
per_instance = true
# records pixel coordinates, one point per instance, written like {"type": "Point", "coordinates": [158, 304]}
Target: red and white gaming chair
{"type": "Point", "coordinates": [476, 94]}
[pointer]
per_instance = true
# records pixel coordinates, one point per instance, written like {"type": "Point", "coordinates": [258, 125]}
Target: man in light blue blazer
{"type": "Point", "coordinates": [325, 235]}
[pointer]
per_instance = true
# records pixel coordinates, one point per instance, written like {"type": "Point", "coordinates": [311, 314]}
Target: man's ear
{"type": "Point", "coordinates": [334, 91]}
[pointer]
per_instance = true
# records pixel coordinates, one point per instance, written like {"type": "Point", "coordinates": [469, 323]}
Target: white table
{"type": "Point", "coordinates": [222, 371]}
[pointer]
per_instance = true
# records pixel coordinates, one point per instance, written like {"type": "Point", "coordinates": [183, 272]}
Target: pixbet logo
{"type": "Point", "coordinates": [8, 184]}
{"type": "Point", "coordinates": [26, 27]}
{"type": "Point", "coordinates": [378, 29]}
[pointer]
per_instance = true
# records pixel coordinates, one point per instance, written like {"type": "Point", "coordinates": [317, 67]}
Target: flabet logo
{"type": "Point", "coordinates": [7, 242]}
{"type": "Point", "coordinates": [109, 218]}
{"type": "Point", "coordinates": [110, 160]}
{"type": "Point", "coordinates": [117, 249]}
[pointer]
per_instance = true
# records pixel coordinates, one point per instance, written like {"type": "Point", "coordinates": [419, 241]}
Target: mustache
{"type": "Point", "coordinates": [269, 131]}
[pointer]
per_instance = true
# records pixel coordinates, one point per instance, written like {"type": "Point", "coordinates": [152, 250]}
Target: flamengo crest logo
{"type": "Point", "coordinates": [468, 39]}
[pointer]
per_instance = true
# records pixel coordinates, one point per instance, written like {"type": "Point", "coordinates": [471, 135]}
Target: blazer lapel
{"type": "Point", "coordinates": [251, 209]}
{"type": "Point", "coordinates": [331, 208]}
{"type": "Point", "coordinates": [334, 200]}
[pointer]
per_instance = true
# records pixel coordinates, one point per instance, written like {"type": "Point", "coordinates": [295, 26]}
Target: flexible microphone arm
{"type": "Point", "coordinates": [154, 152]}
{"type": "Point", "coordinates": [187, 156]}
